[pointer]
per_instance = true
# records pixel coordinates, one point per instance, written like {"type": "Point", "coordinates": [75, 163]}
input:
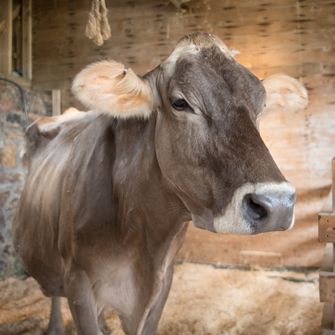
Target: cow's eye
{"type": "Point", "coordinates": [180, 104]}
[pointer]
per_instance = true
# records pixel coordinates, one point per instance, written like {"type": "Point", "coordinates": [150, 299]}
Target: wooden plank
{"type": "Point", "coordinates": [56, 102]}
{"type": "Point", "coordinates": [19, 80]}
{"type": "Point", "coordinates": [27, 39]}
{"type": "Point", "coordinates": [327, 262]}
{"type": "Point", "coordinates": [327, 287]}
{"type": "Point", "coordinates": [327, 332]}
{"type": "Point", "coordinates": [6, 37]}
{"type": "Point", "coordinates": [6, 16]}
{"type": "Point", "coordinates": [327, 282]}
{"type": "Point", "coordinates": [260, 258]}
{"type": "Point", "coordinates": [327, 227]}
{"type": "Point", "coordinates": [327, 320]}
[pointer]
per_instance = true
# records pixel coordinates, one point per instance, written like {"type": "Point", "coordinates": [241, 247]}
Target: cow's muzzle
{"type": "Point", "coordinates": [258, 208]}
{"type": "Point", "coordinates": [269, 211]}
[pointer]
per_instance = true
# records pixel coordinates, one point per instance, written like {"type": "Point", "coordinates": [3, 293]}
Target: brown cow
{"type": "Point", "coordinates": [109, 192]}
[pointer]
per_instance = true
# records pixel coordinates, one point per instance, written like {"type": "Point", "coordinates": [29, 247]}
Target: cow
{"type": "Point", "coordinates": [110, 191]}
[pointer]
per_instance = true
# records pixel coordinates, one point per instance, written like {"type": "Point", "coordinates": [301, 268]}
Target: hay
{"type": "Point", "coordinates": [203, 301]}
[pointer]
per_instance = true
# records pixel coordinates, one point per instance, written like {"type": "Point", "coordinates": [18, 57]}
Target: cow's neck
{"type": "Point", "coordinates": [146, 205]}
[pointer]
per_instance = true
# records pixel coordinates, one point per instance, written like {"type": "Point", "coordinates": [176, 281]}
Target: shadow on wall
{"type": "Point", "coordinates": [12, 170]}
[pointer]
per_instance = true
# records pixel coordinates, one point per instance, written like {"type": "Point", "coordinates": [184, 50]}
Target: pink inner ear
{"type": "Point", "coordinates": [101, 79]}
{"type": "Point", "coordinates": [109, 87]}
{"type": "Point", "coordinates": [286, 90]}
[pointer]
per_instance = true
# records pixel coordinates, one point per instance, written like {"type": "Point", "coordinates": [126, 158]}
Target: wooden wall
{"type": "Point", "coordinates": [295, 37]}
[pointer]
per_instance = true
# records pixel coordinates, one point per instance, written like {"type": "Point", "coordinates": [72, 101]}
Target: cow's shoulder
{"type": "Point", "coordinates": [47, 128]}
{"type": "Point", "coordinates": [71, 175]}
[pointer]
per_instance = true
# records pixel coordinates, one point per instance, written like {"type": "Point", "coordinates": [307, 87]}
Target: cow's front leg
{"type": "Point", "coordinates": [153, 291]}
{"type": "Point", "coordinates": [56, 323]}
{"type": "Point", "coordinates": [146, 317]}
{"type": "Point", "coordinates": [153, 315]}
{"type": "Point", "coordinates": [82, 303]}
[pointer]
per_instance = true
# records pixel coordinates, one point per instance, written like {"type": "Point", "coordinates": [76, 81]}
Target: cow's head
{"type": "Point", "coordinates": [207, 143]}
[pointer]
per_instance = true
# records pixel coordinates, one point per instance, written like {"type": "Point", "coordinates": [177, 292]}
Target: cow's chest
{"type": "Point", "coordinates": [115, 286]}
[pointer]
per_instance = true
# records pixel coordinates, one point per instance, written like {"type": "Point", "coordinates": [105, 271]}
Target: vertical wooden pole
{"type": "Point", "coordinates": [27, 39]}
{"type": "Point", "coordinates": [327, 271]}
{"type": "Point", "coordinates": [56, 102]}
{"type": "Point", "coordinates": [6, 38]}
{"type": "Point", "coordinates": [333, 211]}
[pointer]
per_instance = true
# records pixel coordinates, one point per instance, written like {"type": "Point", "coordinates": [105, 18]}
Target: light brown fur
{"type": "Point", "coordinates": [108, 196]}
{"type": "Point", "coordinates": [109, 87]}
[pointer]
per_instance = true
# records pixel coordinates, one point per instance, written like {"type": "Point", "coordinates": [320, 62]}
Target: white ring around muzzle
{"type": "Point", "coordinates": [233, 220]}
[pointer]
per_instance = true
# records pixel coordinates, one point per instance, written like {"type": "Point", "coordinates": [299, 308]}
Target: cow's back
{"type": "Point", "coordinates": [70, 159]}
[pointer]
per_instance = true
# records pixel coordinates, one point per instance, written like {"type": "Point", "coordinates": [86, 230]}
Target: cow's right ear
{"type": "Point", "coordinates": [284, 93]}
{"type": "Point", "coordinates": [111, 88]}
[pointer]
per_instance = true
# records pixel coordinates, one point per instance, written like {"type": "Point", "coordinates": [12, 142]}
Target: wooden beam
{"type": "Point", "coordinates": [56, 102]}
{"type": "Point", "coordinates": [6, 37]}
{"type": "Point", "coordinates": [27, 39]}
{"type": "Point", "coordinates": [327, 227]}
{"type": "Point", "coordinates": [16, 11]}
{"type": "Point", "coordinates": [327, 320]}
{"type": "Point", "coordinates": [327, 261]}
{"type": "Point", "coordinates": [327, 287]}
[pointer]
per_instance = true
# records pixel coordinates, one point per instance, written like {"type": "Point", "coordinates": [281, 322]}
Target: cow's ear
{"type": "Point", "coordinates": [111, 88]}
{"type": "Point", "coordinates": [284, 93]}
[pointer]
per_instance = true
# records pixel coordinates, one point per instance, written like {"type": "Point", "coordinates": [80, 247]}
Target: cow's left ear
{"type": "Point", "coordinates": [111, 88]}
{"type": "Point", "coordinates": [284, 93]}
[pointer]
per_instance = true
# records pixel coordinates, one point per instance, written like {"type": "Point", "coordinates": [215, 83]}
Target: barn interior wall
{"type": "Point", "coordinates": [295, 37]}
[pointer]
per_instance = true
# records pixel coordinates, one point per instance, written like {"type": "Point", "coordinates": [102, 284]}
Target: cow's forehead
{"type": "Point", "coordinates": [209, 52]}
{"type": "Point", "coordinates": [192, 45]}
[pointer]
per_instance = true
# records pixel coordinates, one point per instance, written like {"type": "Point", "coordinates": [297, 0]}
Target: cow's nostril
{"type": "Point", "coordinates": [291, 199]}
{"type": "Point", "coordinates": [254, 207]}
